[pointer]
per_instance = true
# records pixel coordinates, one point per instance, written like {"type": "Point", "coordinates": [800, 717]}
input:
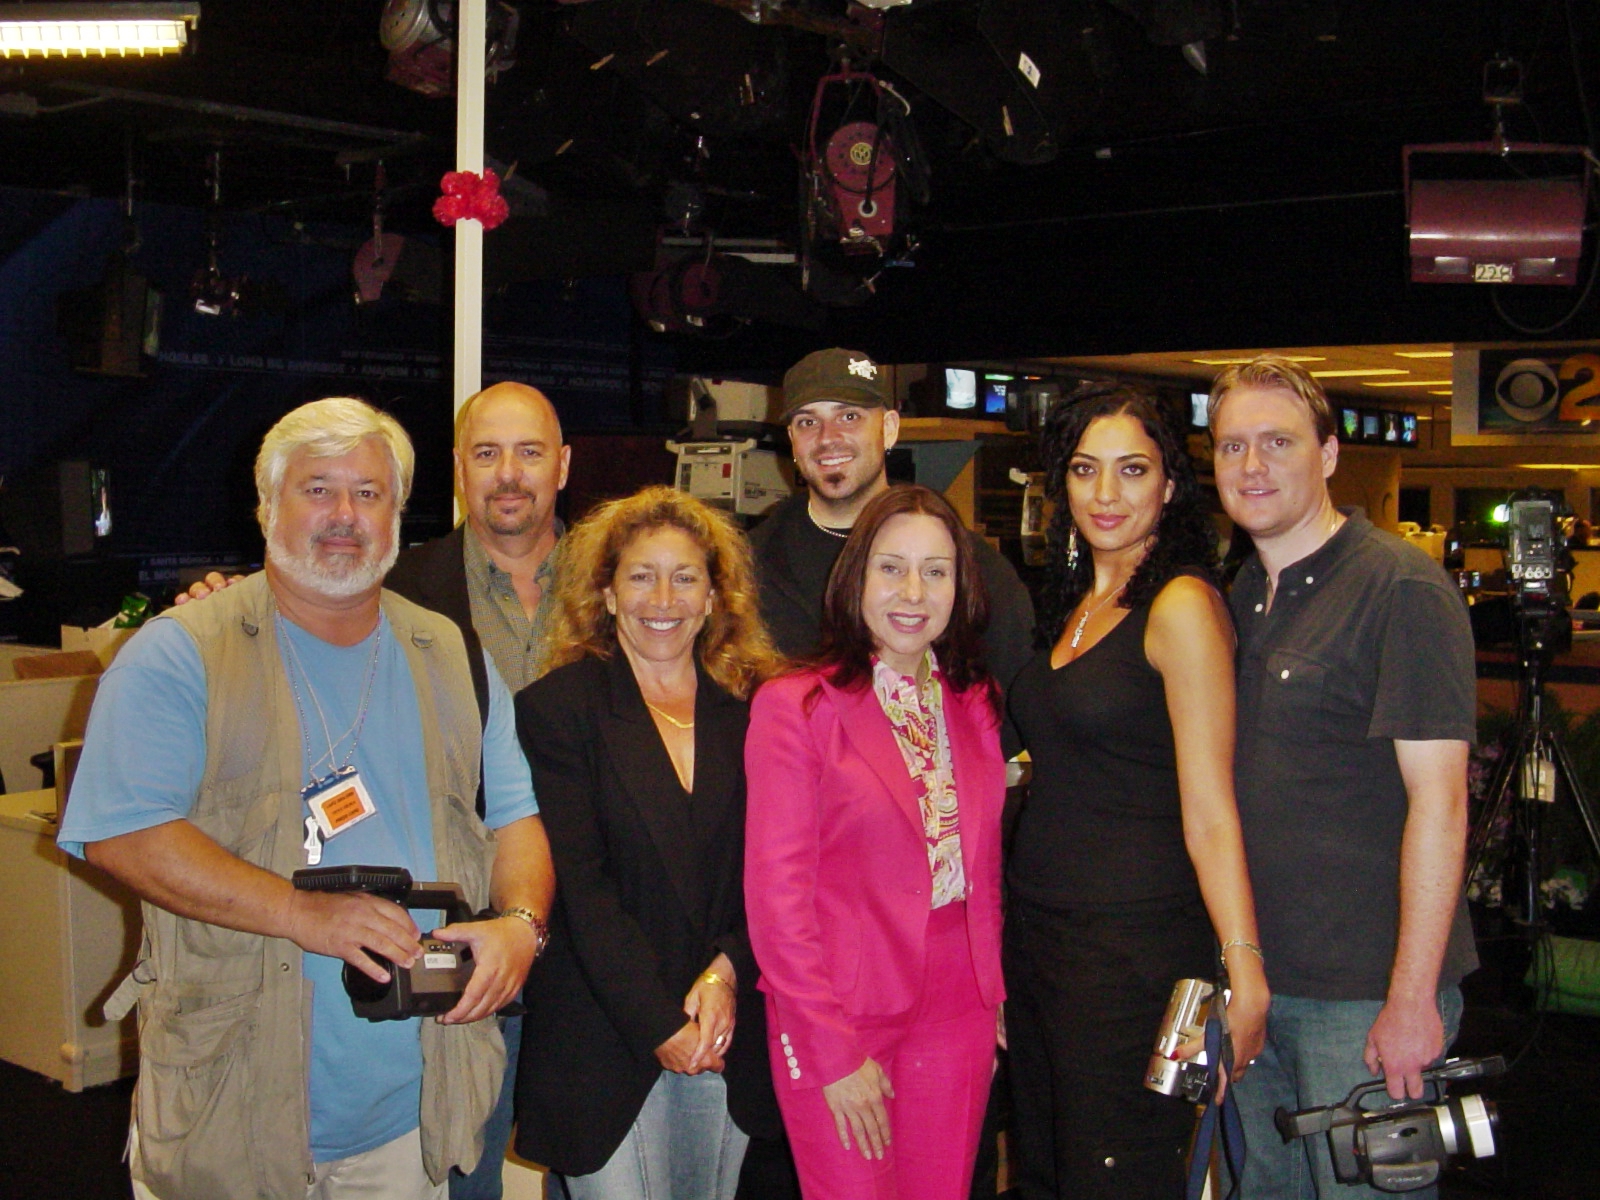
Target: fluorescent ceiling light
{"type": "Point", "coordinates": [1445, 392]}
{"type": "Point", "coordinates": [104, 29]}
{"type": "Point", "coordinates": [1411, 383]}
{"type": "Point", "coordinates": [1424, 353]}
{"type": "Point", "coordinates": [1356, 373]}
{"type": "Point", "coordinates": [1555, 466]}
{"type": "Point", "coordinates": [1239, 362]}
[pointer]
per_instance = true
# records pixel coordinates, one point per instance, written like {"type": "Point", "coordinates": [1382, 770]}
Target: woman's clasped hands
{"type": "Point", "coordinates": [703, 1041]}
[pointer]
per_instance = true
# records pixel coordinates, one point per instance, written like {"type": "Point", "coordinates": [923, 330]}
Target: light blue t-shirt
{"type": "Point", "coordinates": [143, 760]}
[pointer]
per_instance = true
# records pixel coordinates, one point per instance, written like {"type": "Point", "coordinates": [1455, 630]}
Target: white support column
{"type": "Point", "coordinates": [471, 48]}
{"type": "Point", "coordinates": [466, 361]}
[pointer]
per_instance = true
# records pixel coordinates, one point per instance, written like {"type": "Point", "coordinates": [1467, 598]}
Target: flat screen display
{"type": "Point", "coordinates": [1408, 429]}
{"type": "Point", "coordinates": [1199, 404]}
{"type": "Point", "coordinates": [994, 394]}
{"type": "Point", "coordinates": [960, 389]}
{"type": "Point", "coordinates": [1349, 425]}
{"type": "Point", "coordinates": [1391, 428]}
{"type": "Point", "coordinates": [1371, 427]}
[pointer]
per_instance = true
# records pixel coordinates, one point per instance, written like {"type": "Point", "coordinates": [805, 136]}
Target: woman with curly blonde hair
{"type": "Point", "coordinates": [630, 1083]}
{"type": "Point", "coordinates": [734, 647]}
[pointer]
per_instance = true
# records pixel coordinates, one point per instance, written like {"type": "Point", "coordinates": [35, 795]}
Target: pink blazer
{"type": "Point", "coordinates": [836, 867]}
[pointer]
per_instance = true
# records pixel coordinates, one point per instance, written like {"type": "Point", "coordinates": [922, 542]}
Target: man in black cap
{"type": "Point", "coordinates": [842, 423]}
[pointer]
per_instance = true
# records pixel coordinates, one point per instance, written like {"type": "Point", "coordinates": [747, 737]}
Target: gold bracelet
{"type": "Point", "coordinates": [1250, 946]}
{"type": "Point", "coordinates": [713, 977]}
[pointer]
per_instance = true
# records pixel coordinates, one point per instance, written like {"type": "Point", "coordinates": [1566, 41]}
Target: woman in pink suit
{"type": "Point", "coordinates": [872, 866]}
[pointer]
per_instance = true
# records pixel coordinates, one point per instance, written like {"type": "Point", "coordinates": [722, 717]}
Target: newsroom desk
{"type": "Point", "coordinates": [68, 935]}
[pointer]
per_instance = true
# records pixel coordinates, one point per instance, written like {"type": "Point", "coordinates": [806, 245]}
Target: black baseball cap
{"type": "Point", "coordinates": [843, 376]}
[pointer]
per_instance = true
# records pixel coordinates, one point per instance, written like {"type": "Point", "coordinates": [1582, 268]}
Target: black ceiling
{"type": "Point", "coordinates": [1137, 193]}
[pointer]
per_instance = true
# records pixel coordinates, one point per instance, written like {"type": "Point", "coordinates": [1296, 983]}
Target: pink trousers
{"type": "Point", "coordinates": [939, 1057]}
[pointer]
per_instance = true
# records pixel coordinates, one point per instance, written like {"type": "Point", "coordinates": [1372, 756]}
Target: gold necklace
{"type": "Point", "coordinates": [668, 717]}
{"type": "Point", "coordinates": [1077, 634]}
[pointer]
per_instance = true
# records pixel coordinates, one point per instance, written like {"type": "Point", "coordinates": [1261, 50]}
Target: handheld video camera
{"type": "Point", "coordinates": [1185, 1019]}
{"type": "Point", "coordinates": [1402, 1147]}
{"type": "Point", "coordinates": [435, 982]}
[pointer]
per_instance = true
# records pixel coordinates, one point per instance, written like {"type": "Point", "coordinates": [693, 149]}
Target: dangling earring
{"type": "Point", "coordinates": [1072, 549]}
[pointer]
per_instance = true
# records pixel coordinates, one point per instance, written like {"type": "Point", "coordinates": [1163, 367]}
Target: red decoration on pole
{"type": "Point", "coordinates": [466, 195]}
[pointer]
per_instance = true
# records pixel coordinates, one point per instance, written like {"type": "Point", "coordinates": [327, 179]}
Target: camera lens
{"type": "Point", "coordinates": [1467, 1123]}
{"type": "Point", "coordinates": [361, 987]}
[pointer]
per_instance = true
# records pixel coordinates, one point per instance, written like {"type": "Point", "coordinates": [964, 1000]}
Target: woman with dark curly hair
{"type": "Point", "coordinates": [1128, 867]}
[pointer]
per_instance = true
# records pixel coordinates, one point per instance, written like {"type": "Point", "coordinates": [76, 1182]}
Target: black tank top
{"type": "Point", "coordinates": [1102, 827]}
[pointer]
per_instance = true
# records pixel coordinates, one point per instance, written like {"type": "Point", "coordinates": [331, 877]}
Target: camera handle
{"type": "Point", "coordinates": [1301, 1124]}
{"type": "Point", "coordinates": [446, 897]}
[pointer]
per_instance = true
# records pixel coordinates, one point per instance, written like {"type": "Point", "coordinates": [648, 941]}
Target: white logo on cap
{"type": "Point", "coordinates": [863, 367]}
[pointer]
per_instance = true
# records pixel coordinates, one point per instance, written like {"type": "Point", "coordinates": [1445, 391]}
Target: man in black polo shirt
{"type": "Point", "coordinates": [842, 422]}
{"type": "Point", "coordinates": [1356, 708]}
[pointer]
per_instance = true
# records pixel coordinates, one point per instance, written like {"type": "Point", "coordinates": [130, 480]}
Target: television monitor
{"type": "Point", "coordinates": [1408, 429]}
{"type": "Point", "coordinates": [1391, 428]}
{"type": "Point", "coordinates": [960, 389]}
{"type": "Point", "coordinates": [1371, 427]}
{"type": "Point", "coordinates": [1199, 409]}
{"type": "Point", "coordinates": [1349, 425]}
{"type": "Point", "coordinates": [994, 394]}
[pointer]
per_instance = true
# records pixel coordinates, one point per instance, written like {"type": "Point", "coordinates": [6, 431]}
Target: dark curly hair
{"type": "Point", "coordinates": [1184, 541]}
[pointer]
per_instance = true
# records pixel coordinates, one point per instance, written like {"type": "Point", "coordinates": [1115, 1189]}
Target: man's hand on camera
{"type": "Point", "coordinates": [503, 949]}
{"type": "Point", "coordinates": [347, 925]}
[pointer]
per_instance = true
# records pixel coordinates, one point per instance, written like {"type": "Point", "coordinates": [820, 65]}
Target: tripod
{"type": "Point", "coordinates": [1536, 764]}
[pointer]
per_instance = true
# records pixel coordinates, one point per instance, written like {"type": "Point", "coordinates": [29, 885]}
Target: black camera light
{"type": "Point", "coordinates": [1402, 1147]}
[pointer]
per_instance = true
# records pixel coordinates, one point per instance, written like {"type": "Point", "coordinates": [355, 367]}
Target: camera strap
{"type": "Point", "coordinates": [1218, 1120]}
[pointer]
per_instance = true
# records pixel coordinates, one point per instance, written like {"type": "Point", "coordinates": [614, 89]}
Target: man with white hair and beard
{"type": "Point", "coordinates": [305, 717]}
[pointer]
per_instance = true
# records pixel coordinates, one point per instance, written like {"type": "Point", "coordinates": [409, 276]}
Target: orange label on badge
{"type": "Point", "coordinates": [343, 808]}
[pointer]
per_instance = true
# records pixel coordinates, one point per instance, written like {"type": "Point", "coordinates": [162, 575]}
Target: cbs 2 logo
{"type": "Point", "coordinates": [1529, 389]}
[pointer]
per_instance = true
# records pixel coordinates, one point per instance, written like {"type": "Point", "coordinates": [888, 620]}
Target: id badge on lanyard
{"type": "Point", "coordinates": [336, 804]}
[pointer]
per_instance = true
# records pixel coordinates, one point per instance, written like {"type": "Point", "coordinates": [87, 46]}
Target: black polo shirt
{"type": "Point", "coordinates": [1366, 642]}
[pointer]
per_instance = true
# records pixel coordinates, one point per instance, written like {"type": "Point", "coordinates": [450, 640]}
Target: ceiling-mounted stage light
{"type": "Point", "coordinates": [420, 38]}
{"type": "Point", "coordinates": [1519, 228]}
{"type": "Point", "coordinates": [103, 29]}
{"type": "Point", "coordinates": [1497, 211]}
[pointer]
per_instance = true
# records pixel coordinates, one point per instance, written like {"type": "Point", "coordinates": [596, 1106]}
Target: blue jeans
{"type": "Point", "coordinates": [1312, 1057]}
{"type": "Point", "coordinates": [485, 1182]}
{"type": "Point", "coordinates": [683, 1146]}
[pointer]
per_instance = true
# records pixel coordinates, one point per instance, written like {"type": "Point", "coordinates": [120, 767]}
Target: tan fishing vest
{"type": "Point", "coordinates": [225, 1017]}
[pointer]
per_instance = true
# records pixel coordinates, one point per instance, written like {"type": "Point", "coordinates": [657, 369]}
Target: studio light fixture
{"type": "Point", "coordinates": [96, 29]}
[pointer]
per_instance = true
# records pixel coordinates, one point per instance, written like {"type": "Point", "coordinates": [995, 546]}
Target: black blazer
{"type": "Point", "coordinates": [650, 890]}
{"type": "Point", "coordinates": [434, 575]}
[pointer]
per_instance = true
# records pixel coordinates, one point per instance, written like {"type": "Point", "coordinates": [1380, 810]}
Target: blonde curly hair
{"type": "Point", "coordinates": [733, 645]}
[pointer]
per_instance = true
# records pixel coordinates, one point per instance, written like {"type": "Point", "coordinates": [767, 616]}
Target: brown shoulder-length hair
{"type": "Point", "coordinates": [845, 654]}
{"type": "Point", "coordinates": [732, 646]}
